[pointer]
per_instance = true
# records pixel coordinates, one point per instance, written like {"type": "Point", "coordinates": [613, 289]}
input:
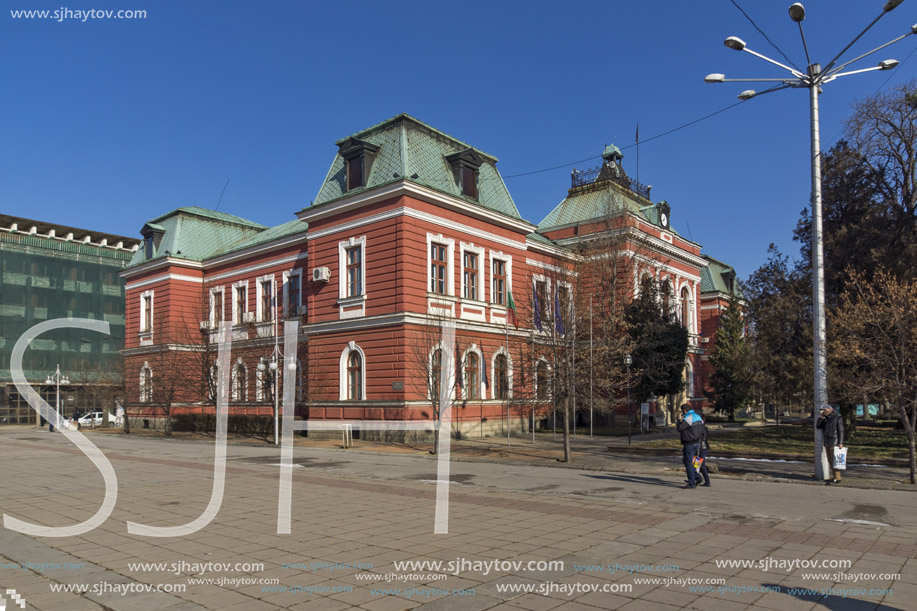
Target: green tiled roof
{"type": "Point", "coordinates": [591, 204]}
{"type": "Point", "coordinates": [212, 215]}
{"type": "Point", "coordinates": [410, 149]}
{"type": "Point", "coordinates": [268, 235]}
{"type": "Point", "coordinates": [713, 278]}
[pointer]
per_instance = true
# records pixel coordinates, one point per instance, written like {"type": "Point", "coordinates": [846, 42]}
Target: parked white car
{"type": "Point", "coordinates": [92, 418]}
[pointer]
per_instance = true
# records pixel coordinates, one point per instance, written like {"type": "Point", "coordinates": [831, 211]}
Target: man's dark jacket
{"type": "Point", "coordinates": [832, 428]}
{"type": "Point", "coordinates": [691, 428]}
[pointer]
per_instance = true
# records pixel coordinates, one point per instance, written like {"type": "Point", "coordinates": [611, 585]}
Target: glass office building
{"type": "Point", "coordinates": [49, 271]}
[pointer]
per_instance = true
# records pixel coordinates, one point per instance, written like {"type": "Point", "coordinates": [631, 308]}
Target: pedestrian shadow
{"type": "Point", "coordinates": [833, 602]}
{"type": "Point", "coordinates": [635, 479]}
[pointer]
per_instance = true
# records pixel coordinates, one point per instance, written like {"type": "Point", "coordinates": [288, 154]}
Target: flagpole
{"type": "Point", "coordinates": [638, 152]}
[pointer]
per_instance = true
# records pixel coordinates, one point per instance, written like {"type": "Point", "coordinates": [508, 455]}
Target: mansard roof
{"type": "Point", "coordinates": [718, 277]}
{"type": "Point", "coordinates": [412, 150]}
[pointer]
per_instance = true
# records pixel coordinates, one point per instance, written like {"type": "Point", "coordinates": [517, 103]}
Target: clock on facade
{"type": "Point", "coordinates": [664, 220]}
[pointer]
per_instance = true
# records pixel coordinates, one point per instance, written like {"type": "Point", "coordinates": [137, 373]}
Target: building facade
{"type": "Point", "coordinates": [50, 271]}
{"type": "Point", "coordinates": [412, 230]}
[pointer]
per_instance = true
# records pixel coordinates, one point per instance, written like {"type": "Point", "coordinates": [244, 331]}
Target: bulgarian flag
{"type": "Point", "coordinates": [511, 312]}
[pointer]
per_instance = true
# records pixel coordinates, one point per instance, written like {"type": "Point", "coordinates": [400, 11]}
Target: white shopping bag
{"type": "Point", "coordinates": [840, 458]}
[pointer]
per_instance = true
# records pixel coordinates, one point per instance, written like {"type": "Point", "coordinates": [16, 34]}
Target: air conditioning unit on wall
{"type": "Point", "coordinates": [321, 274]}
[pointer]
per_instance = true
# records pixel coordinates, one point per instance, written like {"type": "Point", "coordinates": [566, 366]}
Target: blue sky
{"type": "Point", "coordinates": [108, 123]}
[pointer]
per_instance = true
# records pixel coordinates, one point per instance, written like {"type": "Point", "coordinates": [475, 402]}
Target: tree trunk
{"type": "Point", "coordinates": [168, 428]}
{"type": "Point", "coordinates": [566, 429]}
{"type": "Point", "coordinates": [909, 423]}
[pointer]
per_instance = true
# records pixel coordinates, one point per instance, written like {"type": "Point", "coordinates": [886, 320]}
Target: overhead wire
{"type": "Point", "coordinates": [766, 37]}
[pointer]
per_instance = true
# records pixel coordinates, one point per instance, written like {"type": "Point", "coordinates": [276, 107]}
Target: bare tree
{"type": "Point", "coordinates": [875, 333]}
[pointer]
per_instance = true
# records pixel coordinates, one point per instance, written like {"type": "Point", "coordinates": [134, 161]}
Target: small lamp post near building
{"type": "Point", "coordinates": [57, 379]}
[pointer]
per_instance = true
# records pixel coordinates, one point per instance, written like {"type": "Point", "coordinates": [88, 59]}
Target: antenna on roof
{"type": "Point", "coordinates": [221, 195]}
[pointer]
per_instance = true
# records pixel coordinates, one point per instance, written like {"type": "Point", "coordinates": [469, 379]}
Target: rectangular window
{"type": "Point", "coordinates": [470, 265]}
{"type": "Point", "coordinates": [438, 268]}
{"type": "Point", "coordinates": [241, 304]}
{"type": "Point", "coordinates": [267, 300]}
{"type": "Point", "coordinates": [541, 296]}
{"type": "Point", "coordinates": [294, 295]}
{"type": "Point", "coordinates": [146, 322]}
{"type": "Point", "coordinates": [563, 300]}
{"type": "Point", "coordinates": [148, 247]}
{"type": "Point", "coordinates": [469, 182]}
{"type": "Point", "coordinates": [354, 173]}
{"type": "Point", "coordinates": [354, 271]}
{"type": "Point", "coordinates": [498, 292]}
{"type": "Point", "coordinates": [216, 301]}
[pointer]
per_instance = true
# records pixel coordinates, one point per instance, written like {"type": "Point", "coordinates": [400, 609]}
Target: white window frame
{"type": "Point", "coordinates": [689, 379]}
{"type": "Point", "coordinates": [343, 247]}
{"type": "Point", "coordinates": [146, 392]}
{"type": "Point", "coordinates": [478, 251]}
{"type": "Point", "coordinates": [286, 293]}
{"type": "Point", "coordinates": [569, 287]}
{"type": "Point", "coordinates": [259, 290]}
{"type": "Point", "coordinates": [482, 387]}
{"type": "Point", "coordinates": [508, 259]}
{"type": "Point", "coordinates": [493, 374]}
{"type": "Point", "coordinates": [538, 361]}
{"type": "Point", "coordinates": [342, 370]}
{"type": "Point", "coordinates": [239, 364]}
{"type": "Point", "coordinates": [146, 326]}
{"type": "Point", "coordinates": [214, 323]}
{"type": "Point", "coordinates": [449, 243]}
{"type": "Point", "coordinates": [548, 307]}
{"type": "Point", "coordinates": [235, 296]}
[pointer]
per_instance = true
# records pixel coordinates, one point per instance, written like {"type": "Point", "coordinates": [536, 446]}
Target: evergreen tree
{"type": "Point", "coordinates": [661, 344]}
{"type": "Point", "coordinates": [731, 380]}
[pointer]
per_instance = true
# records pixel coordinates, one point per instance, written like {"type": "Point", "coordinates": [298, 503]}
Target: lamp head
{"type": "Point", "coordinates": [797, 12]}
{"type": "Point", "coordinates": [891, 5]}
{"type": "Point", "coordinates": [748, 94]}
{"type": "Point", "coordinates": [734, 42]}
{"type": "Point", "coordinates": [65, 380]}
{"type": "Point", "coordinates": [261, 366]}
{"type": "Point", "coordinates": [628, 360]}
{"type": "Point", "coordinates": [291, 366]}
{"type": "Point", "coordinates": [49, 380]}
{"type": "Point", "coordinates": [715, 78]}
{"type": "Point", "coordinates": [273, 365]}
{"type": "Point", "coordinates": [888, 64]}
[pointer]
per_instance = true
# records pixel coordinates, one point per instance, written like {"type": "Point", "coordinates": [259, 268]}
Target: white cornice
{"type": "Point", "coordinates": [409, 318]}
{"type": "Point", "coordinates": [163, 278]}
{"type": "Point", "coordinates": [253, 268]}
{"type": "Point", "coordinates": [420, 215]}
{"type": "Point", "coordinates": [405, 187]}
{"type": "Point", "coordinates": [158, 263]}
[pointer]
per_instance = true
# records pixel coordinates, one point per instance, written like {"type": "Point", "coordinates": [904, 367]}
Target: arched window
{"type": "Point", "coordinates": [685, 308]}
{"type": "Point", "coordinates": [542, 380]}
{"type": "Point", "coordinates": [501, 377]}
{"type": "Point", "coordinates": [262, 384]}
{"type": "Point", "coordinates": [238, 388]}
{"type": "Point", "coordinates": [646, 283]}
{"type": "Point", "coordinates": [146, 384]}
{"type": "Point", "coordinates": [436, 369]}
{"type": "Point", "coordinates": [472, 376]}
{"type": "Point", "coordinates": [352, 373]}
{"type": "Point", "coordinates": [355, 376]}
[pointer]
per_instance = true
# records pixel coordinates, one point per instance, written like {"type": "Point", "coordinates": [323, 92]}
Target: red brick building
{"type": "Point", "coordinates": [410, 228]}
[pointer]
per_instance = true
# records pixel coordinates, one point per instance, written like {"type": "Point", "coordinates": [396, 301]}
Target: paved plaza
{"type": "Point", "coordinates": [521, 536]}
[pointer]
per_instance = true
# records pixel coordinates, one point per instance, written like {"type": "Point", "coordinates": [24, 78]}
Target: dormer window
{"type": "Point", "coordinates": [152, 236]}
{"type": "Point", "coordinates": [358, 160]}
{"type": "Point", "coordinates": [465, 166]}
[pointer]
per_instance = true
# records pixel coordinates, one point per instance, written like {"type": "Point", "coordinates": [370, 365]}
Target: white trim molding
{"type": "Point", "coordinates": [345, 356]}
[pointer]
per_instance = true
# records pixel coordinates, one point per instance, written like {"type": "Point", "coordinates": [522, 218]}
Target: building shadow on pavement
{"type": "Point", "coordinates": [635, 479]}
{"type": "Point", "coordinates": [832, 602]}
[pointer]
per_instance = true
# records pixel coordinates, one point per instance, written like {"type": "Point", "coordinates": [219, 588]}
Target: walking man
{"type": "Point", "coordinates": [832, 426]}
{"type": "Point", "coordinates": [691, 428]}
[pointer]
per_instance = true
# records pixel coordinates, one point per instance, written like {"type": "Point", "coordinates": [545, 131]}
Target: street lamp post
{"type": "Point", "coordinates": [628, 361]}
{"type": "Point", "coordinates": [57, 379]}
{"type": "Point", "coordinates": [813, 79]}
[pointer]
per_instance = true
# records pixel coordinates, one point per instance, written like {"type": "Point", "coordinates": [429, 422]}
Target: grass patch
{"type": "Point", "coordinates": [866, 442]}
